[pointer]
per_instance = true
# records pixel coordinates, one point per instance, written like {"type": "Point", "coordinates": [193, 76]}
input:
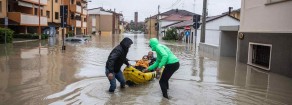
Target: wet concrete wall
{"type": "Point", "coordinates": [210, 51]}
{"type": "Point", "coordinates": [228, 43]}
{"type": "Point", "coordinates": [281, 54]}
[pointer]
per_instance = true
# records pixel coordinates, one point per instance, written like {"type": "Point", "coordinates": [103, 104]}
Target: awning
{"type": "Point", "coordinates": [25, 4]}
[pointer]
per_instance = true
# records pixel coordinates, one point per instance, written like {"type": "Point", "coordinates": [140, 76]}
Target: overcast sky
{"type": "Point", "coordinates": [145, 8]}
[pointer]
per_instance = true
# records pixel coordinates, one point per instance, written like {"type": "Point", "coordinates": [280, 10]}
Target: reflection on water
{"type": "Point", "coordinates": [33, 74]}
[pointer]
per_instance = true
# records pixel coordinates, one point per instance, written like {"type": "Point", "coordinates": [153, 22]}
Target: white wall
{"type": "Point", "coordinates": [212, 34]}
{"type": "Point", "coordinates": [261, 18]}
{"type": "Point", "coordinates": [163, 23]}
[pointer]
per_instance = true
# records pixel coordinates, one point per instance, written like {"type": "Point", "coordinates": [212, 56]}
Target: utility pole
{"type": "Point", "coordinates": [6, 21]}
{"type": "Point", "coordinates": [39, 30]}
{"type": "Point", "coordinates": [158, 22]}
{"type": "Point", "coordinates": [203, 28]}
{"type": "Point", "coordinates": [63, 46]}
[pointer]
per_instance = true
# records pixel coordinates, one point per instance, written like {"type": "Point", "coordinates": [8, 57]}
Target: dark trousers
{"type": "Point", "coordinates": [167, 73]}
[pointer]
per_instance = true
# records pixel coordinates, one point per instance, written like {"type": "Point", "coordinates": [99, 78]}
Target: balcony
{"type": "Point", "coordinates": [76, 8]}
{"type": "Point", "coordinates": [84, 12]}
{"type": "Point", "coordinates": [27, 19]}
{"type": "Point", "coordinates": [84, 24]}
{"type": "Point", "coordinates": [76, 23]}
{"type": "Point", "coordinates": [42, 2]}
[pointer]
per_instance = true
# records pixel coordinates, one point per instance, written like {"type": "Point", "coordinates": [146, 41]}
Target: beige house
{"type": "Point", "coordinates": [106, 22]}
{"type": "Point", "coordinates": [265, 35]}
{"type": "Point", "coordinates": [150, 25]}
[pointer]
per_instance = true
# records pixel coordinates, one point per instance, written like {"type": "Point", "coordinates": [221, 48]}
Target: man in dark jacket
{"type": "Point", "coordinates": [115, 60]}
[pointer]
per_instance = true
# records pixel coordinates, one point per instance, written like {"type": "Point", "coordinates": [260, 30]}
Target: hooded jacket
{"type": "Point", "coordinates": [164, 55]}
{"type": "Point", "coordinates": [118, 56]}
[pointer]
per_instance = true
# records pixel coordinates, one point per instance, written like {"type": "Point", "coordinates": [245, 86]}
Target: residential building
{"type": "Point", "coordinates": [214, 38]}
{"type": "Point", "coordinates": [25, 16]}
{"type": "Point", "coordinates": [150, 25]}
{"type": "Point", "coordinates": [265, 35]}
{"type": "Point", "coordinates": [3, 12]}
{"type": "Point", "coordinates": [77, 16]}
{"type": "Point", "coordinates": [52, 12]}
{"type": "Point", "coordinates": [235, 13]}
{"type": "Point", "coordinates": [173, 16]}
{"type": "Point", "coordinates": [106, 22]}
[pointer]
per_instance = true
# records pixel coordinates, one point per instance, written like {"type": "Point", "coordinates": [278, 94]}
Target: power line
{"type": "Point", "coordinates": [174, 4]}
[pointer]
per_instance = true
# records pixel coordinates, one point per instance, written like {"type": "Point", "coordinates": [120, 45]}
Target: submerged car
{"type": "Point", "coordinates": [76, 39]}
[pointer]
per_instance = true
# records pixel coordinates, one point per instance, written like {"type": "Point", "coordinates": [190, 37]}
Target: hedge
{"type": "Point", "coordinates": [171, 34]}
{"type": "Point", "coordinates": [9, 35]}
{"type": "Point", "coordinates": [30, 36]}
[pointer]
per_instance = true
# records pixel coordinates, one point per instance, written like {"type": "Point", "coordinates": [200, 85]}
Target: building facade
{"type": "Point", "coordinates": [23, 15]}
{"type": "Point", "coordinates": [105, 22]}
{"type": "Point", "coordinates": [265, 35]}
{"type": "Point", "coordinates": [77, 16]}
{"type": "Point", "coordinates": [150, 25]}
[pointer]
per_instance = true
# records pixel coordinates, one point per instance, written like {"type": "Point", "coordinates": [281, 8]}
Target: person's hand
{"type": "Point", "coordinates": [158, 69]}
{"type": "Point", "coordinates": [110, 76]}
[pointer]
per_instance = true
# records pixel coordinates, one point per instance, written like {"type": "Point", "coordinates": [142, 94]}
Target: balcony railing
{"type": "Point", "coordinates": [27, 19]}
{"type": "Point", "coordinates": [76, 8]}
{"type": "Point", "coordinates": [78, 23]}
{"type": "Point", "coordinates": [42, 2]}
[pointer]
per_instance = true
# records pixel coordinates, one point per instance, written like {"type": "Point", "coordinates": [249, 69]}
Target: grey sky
{"type": "Point", "coordinates": [150, 7]}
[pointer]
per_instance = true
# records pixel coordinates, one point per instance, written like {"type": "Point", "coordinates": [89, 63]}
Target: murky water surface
{"type": "Point", "coordinates": [32, 73]}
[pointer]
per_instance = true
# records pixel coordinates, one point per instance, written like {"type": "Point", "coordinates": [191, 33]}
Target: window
{"type": "Point", "coordinates": [85, 19]}
{"type": "Point", "coordinates": [56, 1]}
{"type": "Point", "coordinates": [42, 13]}
{"type": "Point", "coordinates": [259, 55]}
{"type": "Point", "coordinates": [72, 1]}
{"type": "Point", "coordinates": [35, 11]}
{"type": "Point", "coordinates": [48, 14]}
{"type": "Point", "coordinates": [57, 15]}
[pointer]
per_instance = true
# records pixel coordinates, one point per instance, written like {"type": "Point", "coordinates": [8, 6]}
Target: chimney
{"type": "Point", "coordinates": [230, 9]}
{"type": "Point", "coordinates": [176, 10]}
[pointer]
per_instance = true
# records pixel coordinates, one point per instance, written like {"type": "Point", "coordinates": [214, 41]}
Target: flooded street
{"type": "Point", "coordinates": [33, 75]}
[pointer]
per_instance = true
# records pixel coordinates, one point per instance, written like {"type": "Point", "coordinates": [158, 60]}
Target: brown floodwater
{"type": "Point", "coordinates": [33, 73]}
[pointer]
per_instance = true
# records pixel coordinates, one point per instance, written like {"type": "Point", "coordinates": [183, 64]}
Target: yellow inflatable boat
{"type": "Point", "coordinates": [133, 75]}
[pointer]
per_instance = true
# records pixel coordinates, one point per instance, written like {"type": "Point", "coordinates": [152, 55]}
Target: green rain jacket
{"type": "Point", "coordinates": [164, 55]}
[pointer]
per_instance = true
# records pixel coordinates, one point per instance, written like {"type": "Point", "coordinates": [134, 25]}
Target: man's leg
{"type": "Point", "coordinates": [121, 79]}
{"type": "Point", "coordinates": [167, 73]}
{"type": "Point", "coordinates": [112, 82]}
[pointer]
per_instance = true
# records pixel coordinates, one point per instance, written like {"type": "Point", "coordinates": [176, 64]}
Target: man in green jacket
{"type": "Point", "coordinates": [164, 58]}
